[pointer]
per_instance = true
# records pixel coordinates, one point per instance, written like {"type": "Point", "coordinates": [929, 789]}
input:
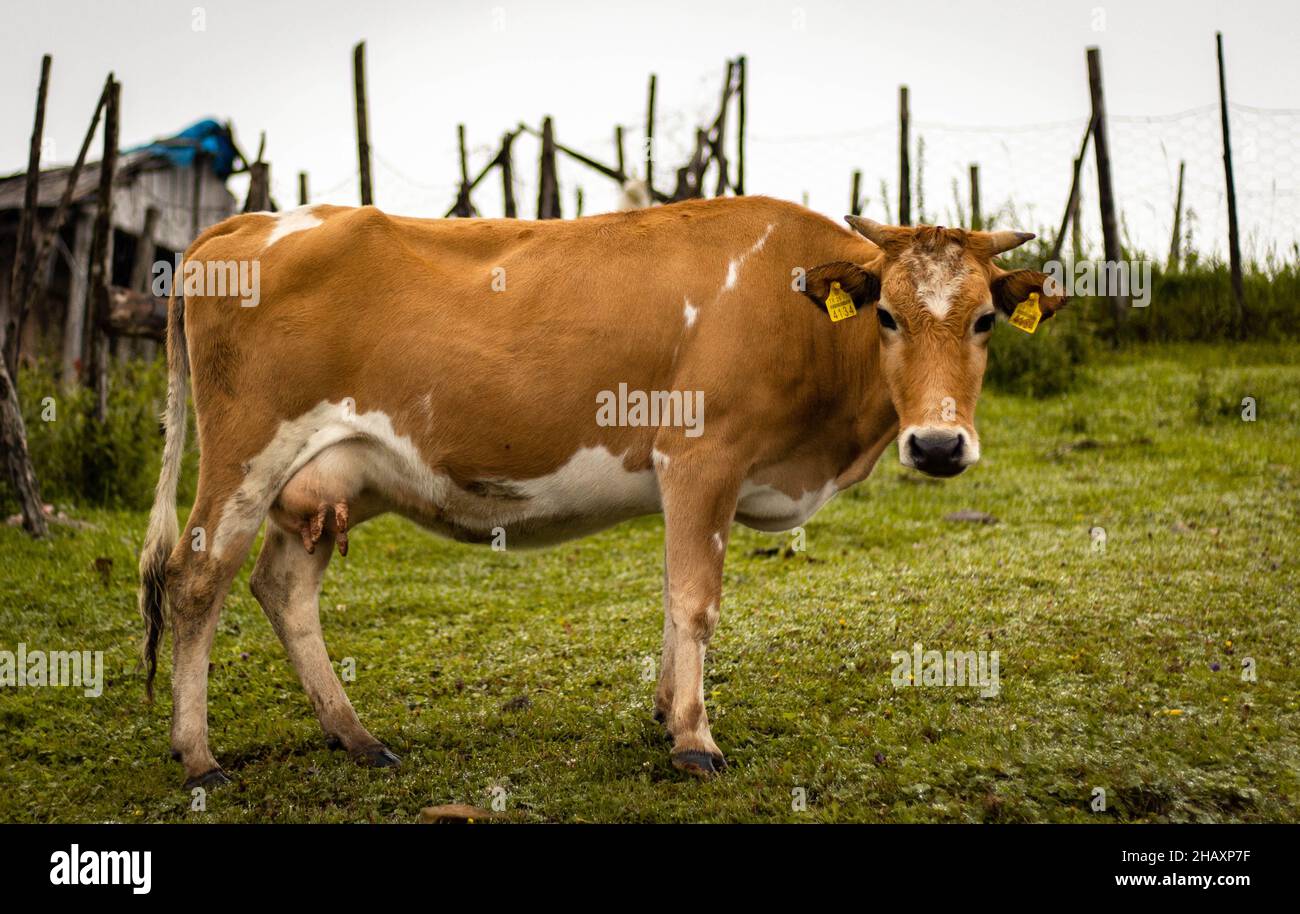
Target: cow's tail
{"type": "Point", "coordinates": [163, 528]}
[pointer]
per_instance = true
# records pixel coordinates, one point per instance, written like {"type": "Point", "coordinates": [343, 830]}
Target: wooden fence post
{"type": "Point", "coordinates": [363, 121]}
{"type": "Point", "coordinates": [259, 183]}
{"type": "Point", "coordinates": [142, 269]}
{"type": "Point", "coordinates": [1234, 241]}
{"type": "Point", "coordinates": [18, 462]}
{"type": "Point", "coordinates": [303, 196]}
{"type": "Point", "coordinates": [904, 164]}
{"type": "Point", "coordinates": [24, 243]}
{"type": "Point", "coordinates": [976, 214]}
{"type": "Point", "coordinates": [101, 262]}
{"type": "Point", "coordinates": [1105, 189]}
{"type": "Point", "coordinates": [464, 208]}
{"type": "Point", "coordinates": [650, 141]}
{"type": "Point", "coordinates": [740, 130]}
{"type": "Point", "coordinates": [855, 195]}
{"type": "Point", "coordinates": [548, 192]}
{"type": "Point", "coordinates": [1176, 236]}
{"type": "Point", "coordinates": [618, 148]}
{"type": "Point", "coordinates": [508, 176]}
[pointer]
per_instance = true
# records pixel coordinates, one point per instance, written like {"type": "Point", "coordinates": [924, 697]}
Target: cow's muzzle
{"type": "Point", "coordinates": [937, 451]}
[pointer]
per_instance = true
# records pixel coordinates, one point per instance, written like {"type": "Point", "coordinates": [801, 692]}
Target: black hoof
{"type": "Point", "coordinates": [698, 763]}
{"type": "Point", "coordinates": [659, 716]}
{"type": "Point", "coordinates": [214, 778]}
{"type": "Point", "coordinates": [376, 757]}
{"type": "Point", "coordinates": [333, 742]}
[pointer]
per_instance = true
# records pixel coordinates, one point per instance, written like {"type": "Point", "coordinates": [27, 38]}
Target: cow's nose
{"type": "Point", "coordinates": [937, 452]}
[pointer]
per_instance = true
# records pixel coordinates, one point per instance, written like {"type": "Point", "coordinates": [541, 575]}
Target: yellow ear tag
{"type": "Point", "coordinates": [1027, 314]}
{"type": "Point", "coordinates": [839, 304]}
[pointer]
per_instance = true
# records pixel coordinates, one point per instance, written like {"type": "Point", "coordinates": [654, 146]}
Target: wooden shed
{"type": "Point", "coordinates": [182, 178]}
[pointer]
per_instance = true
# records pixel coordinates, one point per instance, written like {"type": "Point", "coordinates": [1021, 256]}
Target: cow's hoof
{"type": "Point", "coordinates": [333, 742]}
{"type": "Point", "coordinates": [208, 780]}
{"type": "Point", "coordinates": [376, 757]}
{"type": "Point", "coordinates": [699, 763]}
{"type": "Point", "coordinates": [659, 716]}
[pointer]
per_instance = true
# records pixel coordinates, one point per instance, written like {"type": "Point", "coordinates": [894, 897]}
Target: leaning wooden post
{"type": "Point", "coordinates": [548, 192]}
{"type": "Point", "coordinates": [1176, 237]}
{"type": "Point", "coordinates": [650, 141]}
{"type": "Point", "coordinates": [855, 195]}
{"type": "Point", "coordinates": [74, 317]}
{"type": "Point", "coordinates": [22, 275]}
{"type": "Point", "coordinates": [976, 214]}
{"type": "Point", "coordinates": [363, 121]}
{"type": "Point", "coordinates": [18, 462]}
{"type": "Point", "coordinates": [508, 176]}
{"type": "Point", "coordinates": [1105, 189]}
{"type": "Point", "coordinates": [719, 138]}
{"type": "Point", "coordinates": [303, 196]}
{"type": "Point", "coordinates": [1071, 213]}
{"type": "Point", "coordinates": [1234, 241]}
{"type": "Point", "coordinates": [101, 275]}
{"type": "Point", "coordinates": [740, 130]}
{"type": "Point", "coordinates": [904, 165]}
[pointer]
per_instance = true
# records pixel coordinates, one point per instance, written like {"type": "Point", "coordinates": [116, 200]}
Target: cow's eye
{"type": "Point", "coordinates": [985, 322]}
{"type": "Point", "coordinates": [886, 319]}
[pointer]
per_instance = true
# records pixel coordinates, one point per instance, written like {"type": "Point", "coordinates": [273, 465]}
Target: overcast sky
{"type": "Point", "coordinates": [823, 80]}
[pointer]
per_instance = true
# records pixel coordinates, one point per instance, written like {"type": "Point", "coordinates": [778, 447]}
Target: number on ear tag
{"type": "Point", "coordinates": [1027, 314]}
{"type": "Point", "coordinates": [839, 304]}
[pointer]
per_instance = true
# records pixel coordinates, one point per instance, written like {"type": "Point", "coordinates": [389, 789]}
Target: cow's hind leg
{"type": "Point", "coordinates": [287, 581]}
{"type": "Point", "coordinates": [197, 581]}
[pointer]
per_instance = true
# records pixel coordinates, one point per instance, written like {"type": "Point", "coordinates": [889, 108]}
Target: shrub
{"type": "Point", "coordinates": [110, 464]}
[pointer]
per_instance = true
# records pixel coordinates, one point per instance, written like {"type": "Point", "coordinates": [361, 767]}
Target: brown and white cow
{"type": "Point", "coordinates": [453, 372]}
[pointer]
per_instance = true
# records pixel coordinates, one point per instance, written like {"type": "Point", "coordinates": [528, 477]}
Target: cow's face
{"type": "Point", "coordinates": [935, 294]}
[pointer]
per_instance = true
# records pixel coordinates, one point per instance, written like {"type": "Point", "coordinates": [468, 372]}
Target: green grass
{"type": "Point", "coordinates": [1097, 649]}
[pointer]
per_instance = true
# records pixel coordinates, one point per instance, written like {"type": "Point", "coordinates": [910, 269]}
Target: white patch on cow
{"type": "Point", "coordinates": [734, 266]}
{"type": "Point", "coordinates": [690, 312]}
{"type": "Point", "coordinates": [717, 541]}
{"type": "Point", "coordinates": [767, 508]}
{"type": "Point", "coordinates": [360, 452]}
{"type": "Point", "coordinates": [290, 221]}
{"type": "Point", "coordinates": [937, 283]}
{"type": "Point", "coordinates": [660, 458]}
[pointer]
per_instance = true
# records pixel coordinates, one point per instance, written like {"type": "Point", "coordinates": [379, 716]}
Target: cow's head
{"type": "Point", "coordinates": [935, 293]}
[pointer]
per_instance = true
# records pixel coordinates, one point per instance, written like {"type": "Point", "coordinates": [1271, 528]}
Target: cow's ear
{"type": "Point", "coordinates": [862, 285]}
{"type": "Point", "coordinates": [1010, 289]}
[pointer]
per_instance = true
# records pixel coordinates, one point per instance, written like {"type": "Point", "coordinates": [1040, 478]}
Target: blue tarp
{"type": "Point", "coordinates": [207, 136]}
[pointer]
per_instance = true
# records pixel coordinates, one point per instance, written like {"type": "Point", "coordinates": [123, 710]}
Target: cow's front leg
{"type": "Point", "coordinates": [698, 510]}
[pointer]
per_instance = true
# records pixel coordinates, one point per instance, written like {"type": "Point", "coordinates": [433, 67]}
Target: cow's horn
{"type": "Point", "coordinates": [873, 231]}
{"type": "Point", "coordinates": [1000, 242]}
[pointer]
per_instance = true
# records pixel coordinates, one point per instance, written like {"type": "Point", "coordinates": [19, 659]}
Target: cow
{"type": "Point", "coordinates": [462, 373]}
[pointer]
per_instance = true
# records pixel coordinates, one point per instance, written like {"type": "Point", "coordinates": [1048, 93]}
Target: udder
{"type": "Point", "coordinates": [327, 496]}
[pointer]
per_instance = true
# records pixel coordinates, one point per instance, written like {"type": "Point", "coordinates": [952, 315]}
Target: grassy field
{"type": "Point", "coordinates": [1119, 669]}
